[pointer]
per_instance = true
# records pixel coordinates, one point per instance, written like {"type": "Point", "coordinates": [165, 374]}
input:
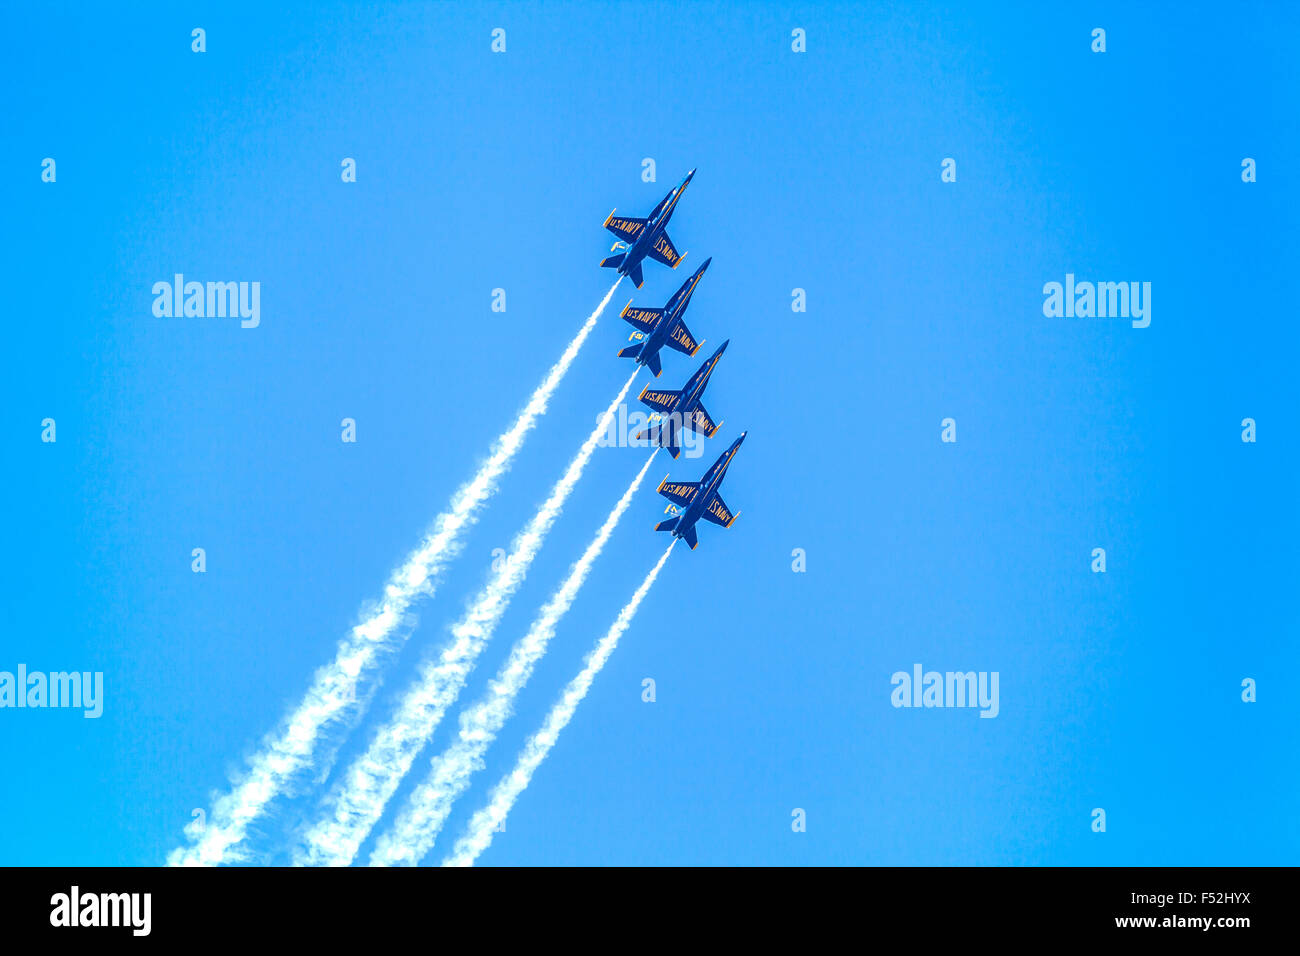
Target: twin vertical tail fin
{"type": "Point", "coordinates": [688, 534]}
{"type": "Point", "coordinates": [616, 262]}
{"type": "Point", "coordinates": [650, 360]}
{"type": "Point", "coordinates": [665, 435]}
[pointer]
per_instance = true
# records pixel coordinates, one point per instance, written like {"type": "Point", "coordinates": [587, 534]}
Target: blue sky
{"type": "Point", "coordinates": [818, 171]}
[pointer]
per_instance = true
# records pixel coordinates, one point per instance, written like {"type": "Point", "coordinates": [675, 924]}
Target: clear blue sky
{"type": "Point", "coordinates": [819, 171]}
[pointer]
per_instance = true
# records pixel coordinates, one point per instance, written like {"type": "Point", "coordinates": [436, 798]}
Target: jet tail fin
{"type": "Point", "coordinates": [613, 262]}
{"type": "Point", "coordinates": [667, 525]}
{"type": "Point", "coordinates": [664, 435]}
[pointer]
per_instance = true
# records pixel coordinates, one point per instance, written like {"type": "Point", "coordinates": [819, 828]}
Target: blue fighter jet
{"type": "Point", "coordinates": [645, 237]}
{"type": "Point", "coordinates": [659, 327]}
{"type": "Point", "coordinates": [699, 499]}
{"type": "Point", "coordinates": [675, 410]}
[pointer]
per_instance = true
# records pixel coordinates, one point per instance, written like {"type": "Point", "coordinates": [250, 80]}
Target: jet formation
{"type": "Point", "coordinates": [674, 409]}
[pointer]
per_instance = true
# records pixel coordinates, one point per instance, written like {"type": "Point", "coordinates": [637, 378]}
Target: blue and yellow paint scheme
{"type": "Point", "coordinates": [656, 328]}
{"type": "Point", "coordinates": [699, 499]}
{"type": "Point", "coordinates": [680, 409]}
{"type": "Point", "coordinates": [639, 238]}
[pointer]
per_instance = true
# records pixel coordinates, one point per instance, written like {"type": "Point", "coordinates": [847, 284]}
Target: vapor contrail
{"type": "Point", "coordinates": [486, 821]}
{"type": "Point", "coordinates": [417, 827]}
{"type": "Point", "coordinates": [333, 691]}
{"type": "Point", "coordinates": [369, 783]}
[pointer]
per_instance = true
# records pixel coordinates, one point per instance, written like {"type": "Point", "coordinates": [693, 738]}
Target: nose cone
{"type": "Point", "coordinates": [722, 348]}
{"type": "Point", "coordinates": [700, 270]}
{"type": "Point", "coordinates": [741, 438]}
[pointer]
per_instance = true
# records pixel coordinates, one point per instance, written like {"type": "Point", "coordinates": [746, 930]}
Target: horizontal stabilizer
{"type": "Point", "coordinates": [634, 274]}
{"type": "Point", "coordinates": [653, 364]}
{"type": "Point", "coordinates": [656, 437]}
{"type": "Point", "coordinates": [613, 262]}
{"type": "Point", "coordinates": [689, 535]}
{"type": "Point", "coordinates": [667, 525]}
{"type": "Point", "coordinates": [632, 351]}
{"type": "Point", "coordinates": [665, 435]}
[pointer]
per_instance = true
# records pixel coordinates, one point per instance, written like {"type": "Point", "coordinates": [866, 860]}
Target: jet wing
{"type": "Point", "coordinates": [680, 338]}
{"type": "Point", "coordinates": [660, 399]}
{"type": "Point", "coordinates": [663, 251]}
{"type": "Point", "coordinates": [702, 423]}
{"type": "Point", "coordinates": [643, 319]}
{"type": "Point", "coordinates": [626, 228]}
{"type": "Point", "coordinates": [678, 492]}
{"type": "Point", "coordinates": [717, 511]}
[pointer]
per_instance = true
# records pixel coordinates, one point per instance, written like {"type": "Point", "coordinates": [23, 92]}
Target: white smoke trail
{"type": "Point", "coordinates": [417, 827]}
{"type": "Point", "coordinates": [333, 691]}
{"type": "Point", "coordinates": [486, 821]}
{"type": "Point", "coordinates": [370, 782]}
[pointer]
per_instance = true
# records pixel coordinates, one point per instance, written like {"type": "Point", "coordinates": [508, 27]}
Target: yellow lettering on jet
{"type": "Point", "coordinates": [663, 247]}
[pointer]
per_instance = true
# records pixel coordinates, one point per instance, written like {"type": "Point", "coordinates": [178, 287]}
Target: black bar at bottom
{"type": "Point", "coordinates": [267, 905]}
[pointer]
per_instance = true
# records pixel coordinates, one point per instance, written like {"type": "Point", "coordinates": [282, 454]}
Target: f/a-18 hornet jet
{"type": "Point", "coordinates": [675, 410]}
{"type": "Point", "coordinates": [698, 499]}
{"type": "Point", "coordinates": [659, 327]}
{"type": "Point", "coordinates": [645, 237]}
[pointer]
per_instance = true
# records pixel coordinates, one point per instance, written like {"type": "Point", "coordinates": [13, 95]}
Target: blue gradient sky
{"type": "Point", "coordinates": [819, 171]}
